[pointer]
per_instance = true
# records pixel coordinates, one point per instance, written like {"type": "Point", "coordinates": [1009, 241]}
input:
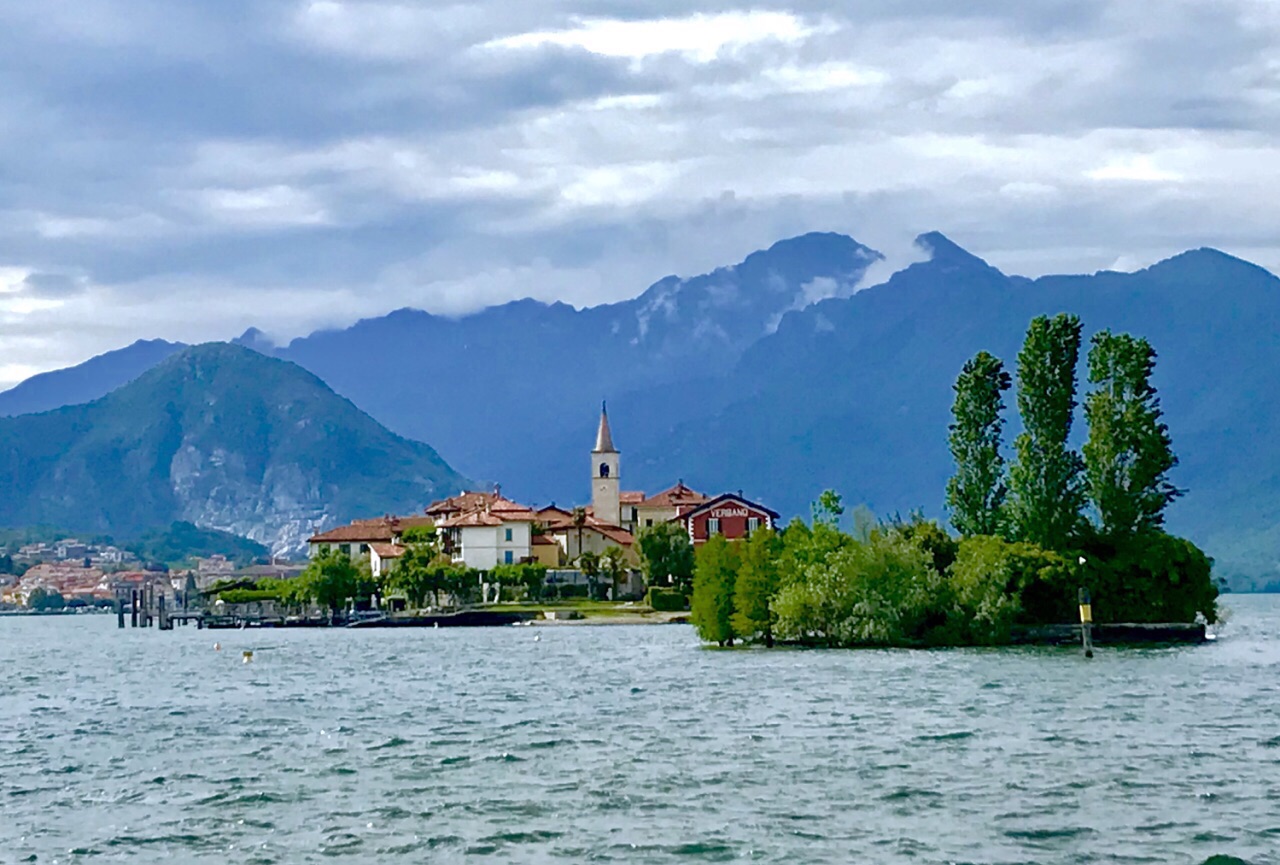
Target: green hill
{"type": "Point", "coordinates": [219, 436]}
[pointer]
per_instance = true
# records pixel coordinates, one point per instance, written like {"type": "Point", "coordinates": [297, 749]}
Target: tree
{"type": "Point", "coordinates": [1129, 452]}
{"type": "Point", "coordinates": [714, 577]}
{"type": "Point", "coordinates": [1045, 483]}
{"type": "Point", "coordinates": [613, 564]}
{"type": "Point", "coordinates": [589, 564]}
{"type": "Point", "coordinates": [579, 519]}
{"type": "Point", "coordinates": [45, 599]}
{"type": "Point", "coordinates": [667, 555]}
{"type": "Point", "coordinates": [976, 493]}
{"type": "Point", "coordinates": [331, 578]}
{"type": "Point", "coordinates": [418, 574]}
{"type": "Point", "coordinates": [756, 585]}
{"type": "Point", "coordinates": [828, 509]}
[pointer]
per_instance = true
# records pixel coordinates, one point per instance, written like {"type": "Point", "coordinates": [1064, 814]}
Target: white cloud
{"type": "Point", "coordinates": [263, 207]}
{"type": "Point", "coordinates": [701, 37]}
{"type": "Point", "coordinates": [205, 167]}
{"type": "Point", "coordinates": [1139, 169]}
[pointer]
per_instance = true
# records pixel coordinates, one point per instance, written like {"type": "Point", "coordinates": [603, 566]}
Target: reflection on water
{"type": "Point", "coordinates": [630, 744]}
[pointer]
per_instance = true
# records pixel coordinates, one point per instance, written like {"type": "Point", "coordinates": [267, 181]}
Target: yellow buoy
{"type": "Point", "coordinates": [247, 656]}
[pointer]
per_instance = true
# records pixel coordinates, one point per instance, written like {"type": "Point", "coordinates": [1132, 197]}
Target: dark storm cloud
{"type": "Point", "coordinates": [296, 163]}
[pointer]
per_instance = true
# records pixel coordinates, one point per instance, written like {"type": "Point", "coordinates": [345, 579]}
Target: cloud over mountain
{"type": "Point", "coordinates": [189, 170]}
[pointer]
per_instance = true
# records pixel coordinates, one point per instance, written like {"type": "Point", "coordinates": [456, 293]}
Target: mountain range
{"type": "Point", "coordinates": [784, 375]}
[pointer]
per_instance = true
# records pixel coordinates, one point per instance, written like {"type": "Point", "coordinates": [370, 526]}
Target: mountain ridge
{"type": "Point", "coordinates": [851, 390]}
{"type": "Point", "coordinates": [219, 436]}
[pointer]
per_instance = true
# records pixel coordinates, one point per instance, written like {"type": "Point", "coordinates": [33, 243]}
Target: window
{"type": "Point", "coordinates": [604, 470]}
{"type": "Point", "coordinates": [509, 557]}
{"type": "Point", "coordinates": [508, 537]}
{"type": "Point", "coordinates": [713, 526]}
{"type": "Point", "coordinates": [753, 524]}
{"type": "Point", "coordinates": [364, 548]}
{"type": "Point", "coordinates": [648, 523]}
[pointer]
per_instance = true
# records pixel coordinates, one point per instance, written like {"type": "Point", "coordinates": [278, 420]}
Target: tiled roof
{"type": "Point", "coordinates": [366, 531]}
{"type": "Point", "coordinates": [675, 497]}
{"type": "Point", "coordinates": [617, 534]}
{"type": "Point", "coordinates": [631, 498]}
{"type": "Point", "coordinates": [512, 512]}
{"type": "Point", "coordinates": [729, 497]}
{"type": "Point", "coordinates": [544, 540]}
{"type": "Point", "coordinates": [371, 531]}
{"type": "Point", "coordinates": [388, 551]}
{"type": "Point", "coordinates": [461, 503]}
{"type": "Point", "coordinates": [475, 518]}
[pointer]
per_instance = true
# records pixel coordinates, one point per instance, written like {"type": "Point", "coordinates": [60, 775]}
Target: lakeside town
{"type": "Point", "coordinates": [480, 533]}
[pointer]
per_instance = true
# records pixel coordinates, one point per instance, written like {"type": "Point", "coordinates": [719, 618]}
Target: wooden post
{"type": "Point", "coordinates": [119, 611]}
{"type": "Point", "coordinates": [1086, 621]}
{"type": "Point", "coordinates": [160, 617]}
{"type": "Point", "coordinates": [133, 607]}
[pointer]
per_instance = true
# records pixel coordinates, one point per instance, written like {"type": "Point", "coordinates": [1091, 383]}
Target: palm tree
{"type": "Point", "coordinates": [579, 520]}
{"type": "Point", "coordinates": [589, 564]}
{"type": "Point", "coordinates": [612, 562]}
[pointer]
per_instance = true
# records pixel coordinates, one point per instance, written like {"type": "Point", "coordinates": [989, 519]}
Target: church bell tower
{"type": "Point", "coordinates": [605, 481]}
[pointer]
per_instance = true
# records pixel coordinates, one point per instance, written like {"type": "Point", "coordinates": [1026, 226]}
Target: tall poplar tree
{"type": "Point", "coordinates": [976, 493]}
{"type": "Point", "coordinates": [756, 585]}
{"type": "Point", "coordinates": [1129, 453]}
{"type": "Point", "coordinates": [1046, 486]}
{"type": "Point", "coordinates": [714, 578]}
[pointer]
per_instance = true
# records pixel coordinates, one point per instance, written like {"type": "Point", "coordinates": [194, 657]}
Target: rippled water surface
{"type": "Point", "coordinates": [629, 744]}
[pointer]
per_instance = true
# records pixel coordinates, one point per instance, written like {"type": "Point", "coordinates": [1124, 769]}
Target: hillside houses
{"type": "Point", "coordinates": [483, 530]}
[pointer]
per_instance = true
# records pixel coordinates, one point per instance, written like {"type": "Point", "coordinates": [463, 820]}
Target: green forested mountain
{"type": "Point", "coordinates": [219, 436]}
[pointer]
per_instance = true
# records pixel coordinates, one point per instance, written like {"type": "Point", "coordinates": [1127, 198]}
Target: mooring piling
{"type": "Point", "coordinates": [1086, 621]}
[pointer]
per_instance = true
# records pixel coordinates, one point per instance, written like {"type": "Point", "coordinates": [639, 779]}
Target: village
{"type": "Point", "coordinates": [483, 530]}
{"type": "Point", "coordinates": [478, 531]}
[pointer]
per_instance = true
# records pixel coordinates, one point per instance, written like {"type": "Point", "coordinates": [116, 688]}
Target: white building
{"type": "Point", "coordinates": [500, 533]}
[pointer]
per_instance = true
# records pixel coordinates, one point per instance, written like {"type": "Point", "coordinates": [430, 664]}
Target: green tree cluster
{"type": "Point", "coordinates": [1031, 532]}
{"type": "Point", "coordinates": [1105, 504]}
{"type": "Point", "coordinates": [666, 554]}
{"type": "Point", "coordinates": [43, 599]}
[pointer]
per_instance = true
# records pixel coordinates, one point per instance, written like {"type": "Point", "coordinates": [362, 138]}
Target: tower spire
{"type": "Point", "coordinates": [604, 437]}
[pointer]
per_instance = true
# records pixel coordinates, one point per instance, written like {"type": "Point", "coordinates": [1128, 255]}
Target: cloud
{"type": "Point", "coordinates": [188, 170]}
{"type": "Point", "coordinates": [700, 37]}
{"type": "Point", "coordinates": [51, 285]}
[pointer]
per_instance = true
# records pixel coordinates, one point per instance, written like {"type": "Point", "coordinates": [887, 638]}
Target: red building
{"type": "Point", "coordinates": [730, 515]}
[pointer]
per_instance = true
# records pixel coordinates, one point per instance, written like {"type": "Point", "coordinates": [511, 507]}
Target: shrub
{"type": "Point", "coordinates": [666, 600]}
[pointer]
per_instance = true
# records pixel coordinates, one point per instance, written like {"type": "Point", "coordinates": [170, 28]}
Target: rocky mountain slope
{"type": "Point", "coordinates": [219, 436]}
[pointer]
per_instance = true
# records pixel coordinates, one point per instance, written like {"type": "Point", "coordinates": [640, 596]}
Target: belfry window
{"type": "Point", "coordinates": [604, 470]}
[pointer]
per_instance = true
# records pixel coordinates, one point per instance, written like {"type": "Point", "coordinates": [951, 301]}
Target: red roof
{"type": "Point", "coordinates": [370, 531]}
{"type": "Point", "coordinates": [388, 551]}
{"type": "Point", "coordinates": [729, 497]}
{"type": "Point", "coordinates": [675, 497]}
{"type": "Point", "coordinates": [544, 540]}
{"type": "Point", "coordinates": [475, 518]}
{"type": "Point", "coordinates": [617, 534]}
{"type": "Point", "coordinates": [511, 512]}
{"type": "Point", "coordinates": [631, 498]}
{"type": "Point", "coordinates": [461, 503]}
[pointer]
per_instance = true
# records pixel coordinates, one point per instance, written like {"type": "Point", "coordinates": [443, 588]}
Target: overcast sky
{"type": "Point", "coordinates": [186, 170]}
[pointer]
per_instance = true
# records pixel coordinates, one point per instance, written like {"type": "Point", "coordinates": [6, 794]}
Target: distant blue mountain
{"type": "Point", "coordinates": [855, 393]}
{"type": "Point", "coordinates": [86, 382]}
{"type": "Point", "coordinates": [483, 388]}
{"type": "Point", "coordinates": [774, 377]}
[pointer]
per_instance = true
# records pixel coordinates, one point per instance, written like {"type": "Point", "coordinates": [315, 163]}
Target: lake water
{"type": "Point", "coordinates": [629, 744]}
